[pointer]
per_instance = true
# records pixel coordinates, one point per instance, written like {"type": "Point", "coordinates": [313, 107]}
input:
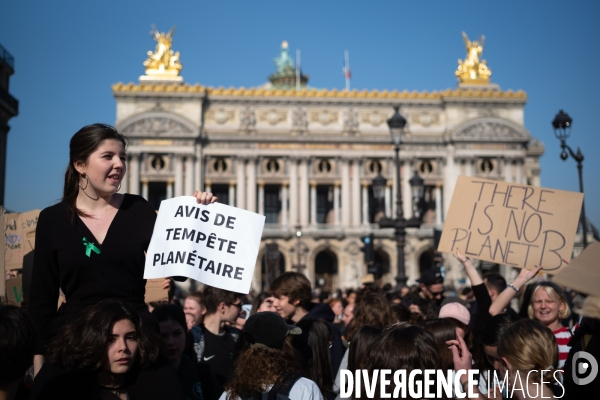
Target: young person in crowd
{"type": "Point", "coordinates": [459, 316]}
{"type": "Point", "coordinates": [214, 341]}
{"type": "Point", "coordinates": [269, 363]}
{"type": "Point", "coordinates": [529, 346]}
{"type": "Point", "coordinates": [173, 329]}
{"type": "Point", "coordinates": [99, 355]}
{"type": "Point", "coordinates": [312, 346]}
{"type": "Point", "coordinates": [263, 302]}
{"type": "Point", "coordinates": [432, 285]}
{"type": "Point", "coordinates": [17, 346]}
{"type": "Point", "coordinates": [92, 244]}
{"type": "Point", "coordinates": [443, 331]}
{"type": "Point", "coordinates": [337, 306]}
{"type": "Point", "coordinates": [194, 305]}
{"type": "Point", "coordinates": [371, 309]}
{"type": "Point", "coordinates": [293, 294]}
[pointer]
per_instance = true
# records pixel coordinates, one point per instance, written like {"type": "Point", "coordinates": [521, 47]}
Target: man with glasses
{"type": "Point", "coordinates": [214, 342]}
{"type": "Point", "coordinates": [432, 285]}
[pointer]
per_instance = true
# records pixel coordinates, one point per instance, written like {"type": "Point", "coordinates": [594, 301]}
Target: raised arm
{"type": "Point", "coordinates": [512, 289]}
{"type": "Point", "coordinates": [469, 268]}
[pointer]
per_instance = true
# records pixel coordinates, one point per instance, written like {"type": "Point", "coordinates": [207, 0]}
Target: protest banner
{"type": "Point", "coordinates": [215, 244]}
{"type": "Point", "coordinates": [14, 290]}
{"type": "Point", "coordinates": [506, 223]}
{"type": "Point", "coordinates": [155, 292]}
{"type": "Point", "coordinates": [583, 274]}
{"type": "Point", "coordinates": [19, 232]}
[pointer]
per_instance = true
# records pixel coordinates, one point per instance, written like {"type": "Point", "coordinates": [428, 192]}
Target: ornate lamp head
{"type": "Point", "coordinates": [562, 125]}
{"type": "Point", "coordinates": [396, 125]}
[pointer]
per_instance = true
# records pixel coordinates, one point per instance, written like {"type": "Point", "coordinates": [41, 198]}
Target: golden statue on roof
{"type": "Point", "coordinates": [163, 64]}
{"type": "Point", "coordinates": [472, 70]}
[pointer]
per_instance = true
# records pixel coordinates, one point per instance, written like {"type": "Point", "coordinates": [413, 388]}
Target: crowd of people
{"type": "Point", "coordinates": [105, 342]}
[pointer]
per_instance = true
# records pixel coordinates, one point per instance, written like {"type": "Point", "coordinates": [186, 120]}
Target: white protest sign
{"type": "Point", "coordinates": [214, 244]}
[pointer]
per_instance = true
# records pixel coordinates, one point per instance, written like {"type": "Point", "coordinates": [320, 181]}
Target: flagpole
{"type": "Point", "coordinates": [346, 72]}
{"type": "Point", "coordinates": [298, 82]}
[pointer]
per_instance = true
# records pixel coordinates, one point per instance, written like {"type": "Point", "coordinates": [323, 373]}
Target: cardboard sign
{"type": "Point", "coordinates": [155, 292]}
{"type": "Point", "coordinates": [505, 223]}
{"type": "Point", "coordinates": [583, 273]}
{"type": "Point", "coordinates": [14, 290]}
{"type": "Point", "coordinates": [19, 232]}
{"type": "Point", "coordinates": [214, 244]}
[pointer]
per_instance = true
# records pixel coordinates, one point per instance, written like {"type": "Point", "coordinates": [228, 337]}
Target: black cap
{"type": "Point", "coordinates": [268, 329]}
{"type": "Point", "coordinates": [431, 276]}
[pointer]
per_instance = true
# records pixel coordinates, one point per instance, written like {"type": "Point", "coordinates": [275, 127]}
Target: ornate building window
{"type": "Point", "coordinates": [375, 167]}
{"type": "Point", "coordinates": [220, 165]}
{"type": "Point", "coordinates": [324, 166]}
{"type": "Point", "coordinates": [273, 166]}
{"type": "Point", "coordinates": [486, 166]}
{"type": "Point", "coordinates": [158, 163]}
{"type": "Point", "coordinates": [426, 167]}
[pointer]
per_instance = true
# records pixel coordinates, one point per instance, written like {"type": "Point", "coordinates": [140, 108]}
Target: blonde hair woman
{"type": "Point", "coordinates": [529, 357]}
{"type": "Point", "coordinates": [549, 305]}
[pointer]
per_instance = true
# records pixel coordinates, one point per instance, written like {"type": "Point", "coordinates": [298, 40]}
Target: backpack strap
{"type": "Point", "coordinates": [284, 386]}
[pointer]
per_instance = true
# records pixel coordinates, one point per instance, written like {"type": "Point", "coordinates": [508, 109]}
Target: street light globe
{"type": "Point", "coordinates": [298, 234]}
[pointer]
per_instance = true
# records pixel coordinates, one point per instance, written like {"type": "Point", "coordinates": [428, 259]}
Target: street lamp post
{"type": "Point", "coordinates": [396, 124]}
{"type": "Point", "coordinates": [562, 130]}
{"type": "Point", "coordinates": [300, 250]}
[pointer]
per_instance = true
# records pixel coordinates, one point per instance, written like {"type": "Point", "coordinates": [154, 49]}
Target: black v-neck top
{"type": "Point", "coordinates": [61, 261]}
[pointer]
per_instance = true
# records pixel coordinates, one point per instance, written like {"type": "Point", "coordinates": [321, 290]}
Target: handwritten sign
{"type": "Point", "coordinates": [215, 244]}
{"type": "Point", "coordinates": [583, 274]}
{"type": "Point", "coordinates": [518, 225]}
{"type": "Point", "coordinates": [14, 290]}
{"type": "Point", "coordinates": [19, 233]}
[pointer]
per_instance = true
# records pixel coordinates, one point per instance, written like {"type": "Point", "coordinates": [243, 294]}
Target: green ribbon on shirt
{"type": "Point", "coordinates": [89, 247]}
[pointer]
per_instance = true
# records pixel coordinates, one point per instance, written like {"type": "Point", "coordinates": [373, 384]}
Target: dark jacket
{"type": "Point", "coordinates": [324, 312]}
{"type": "Point", "coordinates": [586, 338]}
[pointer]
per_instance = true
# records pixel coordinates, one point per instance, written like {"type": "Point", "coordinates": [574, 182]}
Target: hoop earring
{"type": "Point", "coordinates": [88, 183]}
{"type": "Point", "coordinates": [119, 188]}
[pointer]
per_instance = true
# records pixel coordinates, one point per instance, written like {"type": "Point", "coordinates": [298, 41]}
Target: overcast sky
{"type": "Point", "coordinates": [69, 53]}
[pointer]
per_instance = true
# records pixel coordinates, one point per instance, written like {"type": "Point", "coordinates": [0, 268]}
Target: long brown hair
{"type": "Point", "coordinates": [442, 330]}
{"type": "Point", "coordinates": [83, 343]}
{"type": "Point", "coordinates": [258, 368]}
{"type": "Point", "coordinates": [82, 144]}
{"type": "Point", "coordinates": [373, 309]}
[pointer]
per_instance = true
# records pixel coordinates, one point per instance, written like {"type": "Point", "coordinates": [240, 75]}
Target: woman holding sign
{"type": "Point", "coordinates": [92, 244]}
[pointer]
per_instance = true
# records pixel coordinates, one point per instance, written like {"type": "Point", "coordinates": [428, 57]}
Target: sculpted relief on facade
{"type": "Point", "coordinates": [157, 126]}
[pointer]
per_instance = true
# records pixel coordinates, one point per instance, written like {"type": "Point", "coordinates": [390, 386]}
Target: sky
{"type": "Point", "coordinates": [69, 53]}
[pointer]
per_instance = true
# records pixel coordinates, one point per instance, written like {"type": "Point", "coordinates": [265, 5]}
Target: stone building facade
{"type": "Point", "coordinates": [305, 158]}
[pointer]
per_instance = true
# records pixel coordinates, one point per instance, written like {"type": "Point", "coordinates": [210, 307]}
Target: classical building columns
{"type": "Point", "coordinates": [407, 171]}
{"type": "Point", "coordinates": [313, 203]}
{"type": "Point", "coordinates": [134, 174]}
{"type": "Point", "coordinates": [388, 200]}
{"type": "Point", "coordinates": [336, 203]}
{"type": "Point", "coordinates": [170, 189]}
{"type": "Point", "coordinates": [284, 204]}
{"type": "Point", "coordinates": [261, 198]}
{"type": "Point", "coordinates": [365, 203]}
{"type": "Point", "coordinates": [251, 189]}
{"type": "Point", "coordinates": [178, 175]}
{"type": "Point", "coordinates": [345, 203]}
{"type": "Point", "coordinates": [197, 168]}
{"type": "Point", "coordinates": [304, 201]}
{"type": "Point", "coordinates": [145, 188]}
{"type": "Point", "coordinates": [508, 170]}
{"type": "Point", "coordinates": [356, 206]}
{"type": "Point", "coordinates": [232, 194]}
{"type": "Point", "coordinates": [438, 205]}
{"type": "Point", "coordinates": [189, 175]}
{"type": "Point", "coordinates": [293, 165]}
{"type": "Point", "coordinates": [241, 183]}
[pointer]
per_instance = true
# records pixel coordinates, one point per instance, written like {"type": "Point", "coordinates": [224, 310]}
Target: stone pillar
{"type": "Point", "coordinates": [394, 190]}
{"type": "Point", "coordinates": [365, 203]}
{"type": "Point", "coordinates": [407, 205]}
{"type": "Point", "coordinates": [169, 189]}
{"type": "Point", "coordinates": [313, 203]}
{"type": "Point", "coordinates": [241, 183]}
{"type": "Point", "coordinates": [304, 201]}
{"type": "Point", "coordinates": [145, 188]}
{"type": "Point", "coordinates": [207, 186]}
{"type": "Point", "coordinates": [232, 194]}
{"type": "Point", "coordinates": [284, 204]}
{"type": "Point", "coordinates": [356, 206]}
{"type": "Point", "coordinates": [346, 206]}
{"type": "Point", "coordinates": [178, 175]}
{"type": "Point", "coordinates": [134, 175]}
{"type": "Point", "coordinates": [251, 189]}
{"type": "Point", "coordinates": [293, 163]}
{"type": "Point", "coordinates": [189, 175]}
{"type": "Point", "coordinates": [519, 172]}
{"type": "Point", "coordinates": [438, 206]}
{"type": "Point", "coordinates": [508, 170]}
{"type": "Point", "coordinates": [197, 169]}
{"type": "Point", "coordinates": [449, 177]}
{"type": "Point", "coordinates": [388, 200]}
{"type": "Point", "coordinates": [336, 203]}
{"type": "Point", "coordinates": [261, 198]}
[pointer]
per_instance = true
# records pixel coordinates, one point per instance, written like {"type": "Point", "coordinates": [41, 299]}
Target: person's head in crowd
{"type": "Point", "coordinates": [443, 331]}
{"type": "Point", "coordinates": [243, 316]}
{"type": "Point", "coordinates": [194, 304]}
{"type": "Point", "coordinates": [432, 285]}
{"type": "Point", "coordinates": [222, 305]}
{"type": "Point", "coordinates": [425, 307]}
{"type": "Point", "coordinates": [263, 302]}
{"type": "Point", "coordinates": [372, 309]}
{"type": "Point", "coordinates": [405, 347]}
{"type": "Point", "coordinates": [337, 306]}
{"type": "Point", "coordinates": [387, 287]}
{"type": "Point", "coordinates": [312, 345]}
{"type": "Point", "coordinates": [494, 284]}
{"type": "Point", "coordinates": [190, 320]}
{"type": "Point", "coordinates": [458, 314]}
{"type": "Point", "coordinates": [467, 294]}
{"type": "Point", "coordinates": [173, 329]}
{"type": "Point", "coordinates": [293, 294]}
{"type": "Point", "coordinates": [548, 305]}
{"type": "Point", "coordinates": [348, 314]}
{"type": "Point", "coordinates": [401, 313]}
{"type": "Point", "coordinates": [490, 338]}
{"type": "Point", "coordinates": [404, 291]}
{"type": "Point", "coordinates": [350, 296]}
{"type": "Point", "coordinates": [358, 352]}
{"type": "Point", "coordinates": [17, 346]}
{"type": "Point", "coordinates": [108, 339]}
{"type": "Point", "coordinates": [269, 354]}
{"type": "Point", "coordinates": [528, 345]}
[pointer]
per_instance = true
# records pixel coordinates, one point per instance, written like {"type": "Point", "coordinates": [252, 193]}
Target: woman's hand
{"type": "Point", "coordinates": [204, 197]}
{"type": "Point", "coordinates": [460, 353]}
{"type": "Point", "coordinates": [459, 256]}
{"type": "Point", "coordinates": [525, 276]}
